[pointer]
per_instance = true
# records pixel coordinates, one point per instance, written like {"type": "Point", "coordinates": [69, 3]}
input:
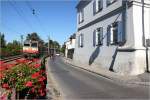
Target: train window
{"type": "Point", "coordinates": [34, 45]}
{"type": "Point", "coordinates": [26, 44]}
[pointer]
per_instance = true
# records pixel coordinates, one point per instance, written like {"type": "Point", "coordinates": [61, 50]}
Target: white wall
{"type": "Point", "coordinates": [70, 44]}
{"type": "Point", "coordinates": [131, 63]}
{"type": "Point", "coordinates": [88, 11]}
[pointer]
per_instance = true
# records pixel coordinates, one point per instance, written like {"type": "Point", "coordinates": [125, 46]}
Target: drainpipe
{"type": "Point", "coordinates": [144, 42]}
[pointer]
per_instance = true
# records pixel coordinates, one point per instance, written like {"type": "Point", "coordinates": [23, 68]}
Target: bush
{"type": "Point", "coordinates": [23, 77]}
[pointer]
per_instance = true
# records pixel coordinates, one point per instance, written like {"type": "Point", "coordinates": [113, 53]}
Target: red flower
{"type": "Point", "coordinates": [22, 61]}
{"type": "Point", "coordinates": [35, 75]}
{"type": "Point", "coordinates": [42, 71]}
{"type": "Point", "coordinates": [2, 68]}
{"type": "Point", "coordinates": [33, 90]}
{"type": "Point", "coordinates": [37, 65]}
{"type": "Point", "coordinates": [5, 85]}
{"type": "Point", "coordinates": [1, 75]}
{"type": "Point", "coordinates": [10, 65]}
{"type": "Point", "coordinates": [41, 79]}
{"type": "Point", "coordinates": [1, 62]}
{"type": "Point", "coordinates": [42, 92]}
{"type": "Point", "coordinates": [36, 60]}
{"type": "Point", "coordinates": [28, 84]}
{"type": "Point", "coordinates": [3, 97]}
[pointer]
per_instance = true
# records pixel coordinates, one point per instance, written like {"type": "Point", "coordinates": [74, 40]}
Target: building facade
{"type": "Point", "coordinates": [114, 34]}
{"type": "Point", "coordinates": [70, 46]}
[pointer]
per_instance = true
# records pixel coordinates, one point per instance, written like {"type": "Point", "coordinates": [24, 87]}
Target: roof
{"type": "Point", "coordinates": [73, 36]}
{"type": "Point", "coordinates": [28, 41]}
{"type": "Point", "coordinates": [82, 3]}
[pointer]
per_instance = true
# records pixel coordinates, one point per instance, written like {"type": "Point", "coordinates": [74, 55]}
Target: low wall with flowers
{"type": "Point", "coordinates": [26, 79]}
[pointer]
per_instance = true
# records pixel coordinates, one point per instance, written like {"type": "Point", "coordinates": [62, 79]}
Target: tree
{"type": "Point", "coordinates": [63, 48]}
{"type": "Point", "coordinates": [16, 43]}
{"type": "Point", "coordinates": [56, 44]}
{"type": "Point", "coordinates": [2, 40]}
{"type": "Point", "coordinates": [35, 37]}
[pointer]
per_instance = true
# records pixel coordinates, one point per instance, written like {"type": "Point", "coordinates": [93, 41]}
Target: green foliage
{"type": "Point", "coordinates": [11, 49]}
{"type": "Point", "coordinates": [24, 78]}
{"type": "Point", "coordinates": [2, 40]}
{"type": "Point", "coordinates": [18, 75]}
{"type": "Point", "coordinates": [63, 48]}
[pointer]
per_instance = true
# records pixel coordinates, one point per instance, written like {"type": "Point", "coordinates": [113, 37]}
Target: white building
{"type": "Point", "coordinates": [114, 34]}
{"type": "Point", "coordinates": [70, 46]}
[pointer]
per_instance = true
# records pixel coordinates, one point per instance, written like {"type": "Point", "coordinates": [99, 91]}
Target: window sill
{"type": "Point", "coordinates": [81, 21]}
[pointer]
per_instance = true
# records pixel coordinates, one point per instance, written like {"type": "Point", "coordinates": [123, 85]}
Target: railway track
{"type": "Point", "coordinates": [11, 58]}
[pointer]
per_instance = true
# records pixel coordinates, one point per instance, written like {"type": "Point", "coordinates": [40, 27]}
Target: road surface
{"type": "Point", "coordinates": [77, 84]}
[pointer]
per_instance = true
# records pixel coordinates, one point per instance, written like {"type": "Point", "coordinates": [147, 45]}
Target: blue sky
{"type": "Point", "coordinates": [54, 18]}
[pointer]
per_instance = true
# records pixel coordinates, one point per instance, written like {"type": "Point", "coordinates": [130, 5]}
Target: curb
{"type": "Point", "coordinates": [108, 77]}
{"type": "Point", "coordinates": [54, 94]}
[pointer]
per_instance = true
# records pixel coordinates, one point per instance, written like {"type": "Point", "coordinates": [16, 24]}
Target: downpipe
{"type": "Point", "coordinates": [144, 42]}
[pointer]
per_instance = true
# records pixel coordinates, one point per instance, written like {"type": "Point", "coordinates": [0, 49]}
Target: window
{"type": "Point", "coordinates": [98, 36]}
{"type": "Point", "coordinates": [34, 45]}
{"type": "Point", "coordinates": [109, 2]}
{"type": "Point", "coordinates": [81, 16]}
{"type": "Point", "coordinates": [80, 40]}
{"type": "Point", "coordinates": [115, 35]}
{"type": "Point", "coordinates": [97, 6]}
{"type": "Point", "coordinates": [26, 44]}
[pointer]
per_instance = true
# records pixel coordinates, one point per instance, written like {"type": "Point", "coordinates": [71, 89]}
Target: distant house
{"type": "Point", "coordinates": [70, 46]}
{"type": "Point", "coordinates": [114, 34]}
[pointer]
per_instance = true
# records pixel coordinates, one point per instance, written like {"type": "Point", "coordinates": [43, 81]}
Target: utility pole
{"type": "Point", "coordinates": [48, 45]}
{"type": "Point", "coordinates": [21, 44]}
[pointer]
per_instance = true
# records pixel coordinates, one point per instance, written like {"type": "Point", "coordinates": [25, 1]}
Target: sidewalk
{"type": "Point", "coordinates": [52, 90]}
{"type": "Point", "coordinates": [142, 79]}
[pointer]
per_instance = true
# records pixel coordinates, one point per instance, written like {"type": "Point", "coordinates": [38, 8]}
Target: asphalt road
{"type": "Point", "coordinates": [77, 84]}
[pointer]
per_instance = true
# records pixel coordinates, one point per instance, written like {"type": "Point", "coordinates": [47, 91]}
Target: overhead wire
{"type": "Point", "coordinates": [21, 16]}
{"type": "Point", "coordinates": [35, 15]}
{"type": "Point", "coordinates": [6, 27]}
{"type": "Point", "coordinates": [10, 30]}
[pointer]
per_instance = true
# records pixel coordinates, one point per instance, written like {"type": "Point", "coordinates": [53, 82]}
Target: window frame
{"type": "Point", "coordinates": [99, 36]}
{"type": "Point", "coordinates": [34, 45]}
{"type": "Point", "coordinates": [115, 34]}
{"type": "Point", "coordinates": [96, 7]}
{"type": "Point", "coordinates": [80, 40]}
{"type": "Point", "coordinates": [81, 16]}
{"type": "Point", "coordinates": [25, 45]}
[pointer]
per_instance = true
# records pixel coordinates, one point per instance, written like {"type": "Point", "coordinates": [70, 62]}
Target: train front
{"type": "Point", "coordinates": [30, 49]}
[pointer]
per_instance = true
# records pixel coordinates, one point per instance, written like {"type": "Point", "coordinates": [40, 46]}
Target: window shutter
{"type": "Point", "coordinates": [94, 7]}
{"type": "Point", "coordinates": [121, 35]}
{"type": "Point", "coordinates": [97, 5]}
{"type": "Point", "coordinates": [82, 40]}
{"type": "Point", "coordinates": [100, 4]}
{"type": "Point", "coordinates": [82, 12]}
{"type": "Point", "coordinates": [101, 35]}
{"type": "Point", "coordinates": [94, 38]}
{"type": "Point", "coordinates": [108, 35]}
{"type": "Point", "coordinates": [111, 35]}
{"type": "Point", "coordinates": [79, 41]}
{"type": "Point", "coordinates": [108, 2]}
{"type": "Point", "coordinates": [79, 17]}
{"type": "Point", "coordinates": [97, 37]}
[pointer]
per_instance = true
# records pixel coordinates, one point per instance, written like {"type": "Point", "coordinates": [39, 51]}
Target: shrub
{"type": "Point", "coordinates": [30, 78]}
